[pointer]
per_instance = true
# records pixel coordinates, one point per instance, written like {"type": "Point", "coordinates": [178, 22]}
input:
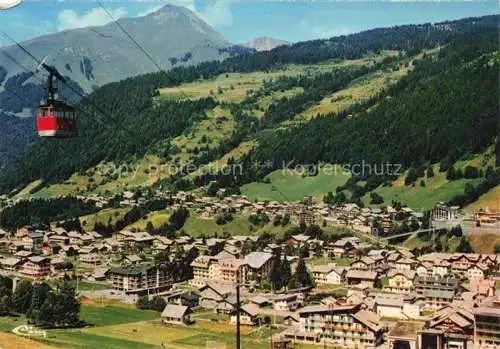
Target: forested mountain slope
{"type": "Point", "coordinates": [91, 57]}
{"type": "Point", "coordinates": [430, 95]}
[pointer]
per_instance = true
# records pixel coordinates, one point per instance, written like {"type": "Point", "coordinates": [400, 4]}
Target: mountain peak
{"type": "Point", "coordinates": [265, 43]}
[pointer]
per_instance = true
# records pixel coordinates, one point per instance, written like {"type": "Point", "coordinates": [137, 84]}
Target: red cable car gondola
{"type": "Point", "coordinates": [55, 119]}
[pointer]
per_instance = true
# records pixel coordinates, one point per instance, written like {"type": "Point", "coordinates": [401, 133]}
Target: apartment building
{"type": "Point", "coordinates": [487, 324]}
{"type": "Point", "coordinates": [138, 279]}
{"type": "Point", "coordinates": [343, 325]}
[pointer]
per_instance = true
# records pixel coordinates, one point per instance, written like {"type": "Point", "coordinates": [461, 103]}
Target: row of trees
{"type": "Point", "coordinates": [43, 211]}
{"type": "Point", "coordinates": [44, 306]}
{"type": "Point", "coordinates": [281, 274]}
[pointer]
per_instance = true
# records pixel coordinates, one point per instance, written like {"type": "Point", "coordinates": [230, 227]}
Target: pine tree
{"type": "Point", "coordinates": [21, 299]}
{"type": "Point", "coordinates": [301, 278]}
{"type": "Point", "coordinates": [430, 171]}
{"type": "Point", "coordinates": [66, 300]}
{"type": "Point", "coordinates": [5, 305]}
{"type": "Point", "coordinates": [40, 293]}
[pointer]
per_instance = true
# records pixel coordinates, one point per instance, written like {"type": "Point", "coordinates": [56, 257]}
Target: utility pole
{"type": "Point", "coordinates": [238, 305]}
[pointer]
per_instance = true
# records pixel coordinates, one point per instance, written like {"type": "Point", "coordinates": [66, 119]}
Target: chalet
{"type": "Point", "coordinates": [364, 263]}
{"type": "Point", "coordinates": [392, 258]}
{"type": "Point", "coordinates": [50, 248]}
{"type": "Point", "coordinates": [436, 299]}
{"type": "Point", "coordinates": [139, 239]}
{"type": "Point", "coordinates": [33, 240]}
{"type": "Point", "coordinates": [227, 305]}
{"type": "Point", "coordinates": [249, 315]}
{"type": "Point", "coordinates": [90, 259]}
{"type": "Point", "coordinates": [112, 244]}
{"type": "Point", "coordinates": [59, 239]}
{"type": "Point", "coordinates": [450, 327]}
{"type": "Point", "coordinates": [10, 264]}
{"type": "Point", "coordinates": [24, 254]}
{"type": "Point", "coordinates": [401, 281]}
{"type": "Point", "coordinates": [398, 306]}
{"type": "Point", "coordinates": [176, 314]}
{"type": "Point", "coordinates": [131, 259]}
{"type": "Point", "coordinates": [328, 274]}
{"type": "Point", "coordinates": [69, 250]}
{"type": "Point", "coordinates": [482, 287]}
{"type": "Point", "coordinates": [361, 278]}
{"type": "Point", "coordinates": [340, 248]}
{"type": "Point", "coordinates": [298, 240]}
{"type": "Point", "coordinates": [259, 264]}
{"type": "Point", "coordinates": [190, 300]}
{"type": "Point", "coordinates": [56, 264]}
{"type": "Point", "coordinates": [88, 249]}
{"type": "Point", "coordinates": [100, 273]}
{"type": "Point", "coordinates": [389, 306]}
{"type": "Point", "coordinates": [441, 269]}
{"type": "Point", "coordinates": [4, 244]}
{"type": "Point", "coordinates": [232, 250]}
{"type": "Point", "coordinates": [477, 271]}
{"type": "Point", "coordinates": [260, 301]}
{"type": "Point", "coordinates": [424, 269]}
{"type": "Point", "coordinates": [102, 248]}
{"type": "Point", "coordinates": [211, 294]}
{"type": "Point", "coordinates": [405, 264]}
{"type": "Point", "coordinates": [285, 302]}
{"type": "Point", "coordinates": [203, 269]}
{"type": "Point", "coordinates": [355, 296]}
{"type": "Point", "coordinates": [35, 267]}
{"type": "Point", "coordinates": [161, 241]}
{"type": "Point", "coordinates": [23, 231]}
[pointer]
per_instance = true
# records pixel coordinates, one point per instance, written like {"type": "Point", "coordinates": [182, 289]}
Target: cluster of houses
{"type": "Point", "coordinates": [438, 300]}
{"type": "Point", "coordinates": [436, 311]}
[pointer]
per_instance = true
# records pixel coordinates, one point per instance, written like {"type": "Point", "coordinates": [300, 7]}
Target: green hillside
{"type": "Point", "coordinates": [288, 185]}
{"type": "Point", "coordinates": [408, 95]}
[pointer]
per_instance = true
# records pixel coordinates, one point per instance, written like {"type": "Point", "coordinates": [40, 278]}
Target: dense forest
{"type": "Point", "coordinates": [446, 106]}
{"type": "Point", "coordinates": [41, 212]}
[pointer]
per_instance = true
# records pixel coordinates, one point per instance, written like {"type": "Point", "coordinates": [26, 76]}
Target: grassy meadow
{"type": "Point", "coordinates": [284, 185]}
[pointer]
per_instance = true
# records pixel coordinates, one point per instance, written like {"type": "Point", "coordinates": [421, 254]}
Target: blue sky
{"type": "Point", "coordinates": [241, 20]}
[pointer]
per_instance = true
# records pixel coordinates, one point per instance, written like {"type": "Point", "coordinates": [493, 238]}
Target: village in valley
{"type": "Point", "coordinates": [338, 277]}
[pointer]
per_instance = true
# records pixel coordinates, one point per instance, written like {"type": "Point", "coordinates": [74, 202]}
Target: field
{"type": "Point", "coordinates": [287, 185]}
{"type": "Point", "coordinates": [106, 216]}
{"type": "Point", "coordinates": [325, 260]}
{"type": "Point", "coordinates": [484, 242]}
{"type": "Point", "coordinates": [12, 341]}
{"type": "Point", "coordinates": [117, 327]}
{"type": "Point", "coordinates": [449, 244]}
{"type": "Point", "coordinates": [113, 315]}
{"type": "Point", "coordinates": [242, 149]}
{"type": "Point", "coordinates": [197, 226]}
{"type": "Point", "coordinates": [233, 87]}
{"type": "Point", "coordinates": [157, 218]}
{"type": "Point", "coordinates": [436, 189]}
{"type": "Point", "coordinates": [489, 201]}
{"type": "Point", "coordinates": [358, 91]}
